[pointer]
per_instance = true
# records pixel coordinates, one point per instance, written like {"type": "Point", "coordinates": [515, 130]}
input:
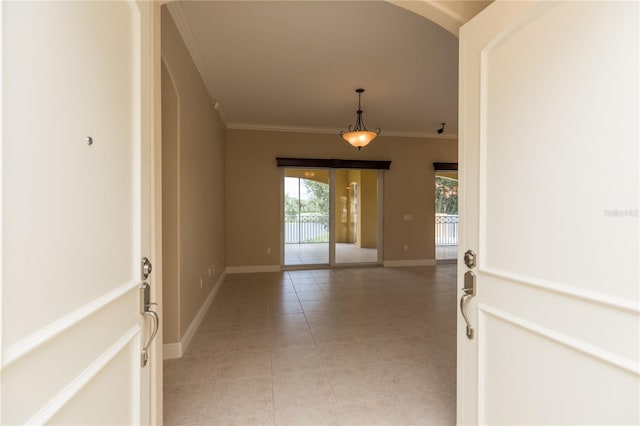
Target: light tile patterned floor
{"type": "Point", "coordinates": [369, 346]}
{"type": "Point", "coordinates": [318, 254]}
{"type": "Point", "coordinates": [446, 252]}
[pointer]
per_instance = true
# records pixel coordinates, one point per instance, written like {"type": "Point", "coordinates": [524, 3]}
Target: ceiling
{"type": "Point", "coordinates": [295, 65]}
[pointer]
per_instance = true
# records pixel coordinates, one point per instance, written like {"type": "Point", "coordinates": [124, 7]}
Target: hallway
{"type": "Point", "coordinates": [324, 347]}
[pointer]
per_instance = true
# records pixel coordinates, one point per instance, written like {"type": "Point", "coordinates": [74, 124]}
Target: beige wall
{"type": "Point", "coordinates": [193, 187]}
{"type": "Point", "coordinates": [253, 190]}
{"type": "Point", "coordinates": [170, 270]}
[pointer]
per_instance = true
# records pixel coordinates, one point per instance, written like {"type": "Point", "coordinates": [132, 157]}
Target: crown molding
{"type": "Point", "coordinates": [175, 10]}
{"type": "Point", "coordinates": [331, 131]}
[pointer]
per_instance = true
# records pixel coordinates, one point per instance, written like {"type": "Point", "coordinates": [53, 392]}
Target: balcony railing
{"type": "Point", "coordinates": [446, 229]}
{"type": "Point", "coordinates": [315, 228]}
{"type": "Point", "coordinates": [308, 228]}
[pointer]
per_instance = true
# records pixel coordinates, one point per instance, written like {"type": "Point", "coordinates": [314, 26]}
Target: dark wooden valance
{"type": "Point", "coordinates": [333, 163]}
{"type": "Point", "coordinates": [445, 166]}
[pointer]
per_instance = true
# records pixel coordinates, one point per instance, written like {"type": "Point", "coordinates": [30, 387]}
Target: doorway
{"type": "Point", "coordinates": [331, 217]}
{"type": "Point", "coordinates": [306, 216]}
{"type": "Point", "coordinates": [356, 220]}
{"type": "Point", "coordinates": [446, 223]}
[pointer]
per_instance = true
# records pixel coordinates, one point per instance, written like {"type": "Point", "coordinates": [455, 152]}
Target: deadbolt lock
{"type": "Point", "coordinates": [146, 268]}
{"type": "Point", "coordinates": [470, 259]}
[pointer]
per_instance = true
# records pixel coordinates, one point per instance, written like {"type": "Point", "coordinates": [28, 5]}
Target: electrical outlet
{"type": "Point", "coordinates": [200, 282]}
{"type": "Point", "coordinates": [406, 247]}
{"type": "Point", "coordinates": [268, 250]}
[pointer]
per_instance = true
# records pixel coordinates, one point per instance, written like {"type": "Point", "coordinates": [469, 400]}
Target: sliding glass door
{"type": "Point", "coordinates": [331, 217]}
{"type": "Point", "coordinates": [356, 224]}
{"type": "Point", "coordinates": [306, 217]}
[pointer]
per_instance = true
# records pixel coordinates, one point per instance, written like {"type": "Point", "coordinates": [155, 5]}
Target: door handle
{"type": "Point", "coordinates": [463, 303]}
{"type": "Point", "coordinates": [469, 291]}
{"type": "Point", "coordinates": [144, 357]}
{"type": "Point", "coordinates": [145, 310]}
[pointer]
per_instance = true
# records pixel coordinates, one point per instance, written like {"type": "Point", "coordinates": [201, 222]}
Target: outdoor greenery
{"type": "Point", "coordinates": [319, 201]}
{"type": "Point", "coordinates": [290, 208]}
{"type": "Point", "coordinates": [446, 195]}
{"type": "Point", "coordinates": [317, 204]}
{"type": "Point", "coordinates": [309, 216]}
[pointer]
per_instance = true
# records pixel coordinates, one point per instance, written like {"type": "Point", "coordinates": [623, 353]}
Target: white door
{"type": "Point", "coordinates": [549, 185]}
{"type": "Point", "coordinates": [75, 211]}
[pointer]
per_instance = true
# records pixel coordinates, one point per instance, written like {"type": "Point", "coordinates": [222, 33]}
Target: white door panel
{"type": "Point", "coordinates": [63, 193]}
{"type": "Point", "coordinates": [549, 185]}
{"type": "Point", "coordinates": [74, 226]}
{"type": "Point", "coordinates": [111, 380]}
{"type": "Point", "coordinates": [547, 380]}
{"type": "Point", "coordinates": [573, 126]}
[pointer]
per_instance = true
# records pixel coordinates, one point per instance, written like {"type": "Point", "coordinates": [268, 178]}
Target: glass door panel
{"type": "Point", "coordinates": [446, 192]}
{"type": "Point", "coordinates": [356, 216]}
{"type": "Point", "coordinates": [306, 217]}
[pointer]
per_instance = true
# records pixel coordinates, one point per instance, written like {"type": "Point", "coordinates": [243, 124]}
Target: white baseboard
{"type": "Point", "coordinates": [411, 262]}
{"type": "Point", "coordinates": [252, 269]}
{"type": "Point", "coordinates": [172, 350]}
{"type": "Point", "coordinates": [176, 350]}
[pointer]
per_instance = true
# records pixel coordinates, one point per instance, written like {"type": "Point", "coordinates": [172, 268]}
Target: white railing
{"type": "Point", "coordinates": [312, 228]}
{"type": "Point", "coordinates": [446, 229]}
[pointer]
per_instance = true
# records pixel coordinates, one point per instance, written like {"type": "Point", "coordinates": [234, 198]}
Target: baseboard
{"type": "Point", "coordinates": [412, 262]}
{"type": "Point", "coordinates": [188, 335]}
{"type": "Point", "coordinates": [171, 350]}
{"type": "Point", "coordinates": [446, 261]}
{"type": "Point", "coordinates": [252, 269]}
{"type": "Point", "coordinates": [176, 350]}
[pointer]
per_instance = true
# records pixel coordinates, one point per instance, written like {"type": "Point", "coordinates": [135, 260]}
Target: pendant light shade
{"type": "Point", "coordinates": [359, 136]}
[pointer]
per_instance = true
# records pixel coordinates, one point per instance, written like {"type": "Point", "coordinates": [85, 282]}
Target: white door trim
{"type": "Point", "coordinates": [154, 64]}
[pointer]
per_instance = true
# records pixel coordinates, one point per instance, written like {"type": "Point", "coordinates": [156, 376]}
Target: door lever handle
{"type": "Point", "coordinates": [463, 302]}
{"type": "Point", "coordinates": [144, 357]}
{"type": "Point", "coordinates": [145, 310]}
{"type": "Point", "coordinates": [469, 291]}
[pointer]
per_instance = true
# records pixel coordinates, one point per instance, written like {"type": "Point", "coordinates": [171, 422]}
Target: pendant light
{"type": "Point", "coordinates": [359, 136]}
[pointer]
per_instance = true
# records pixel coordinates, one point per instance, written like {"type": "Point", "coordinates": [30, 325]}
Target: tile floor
{"type": "Point", "coordinates": [318, 254]}
{"type": "Point", "coordinates": [449, 252]}
{"type": "Point", "coordinates": [368, 346]}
